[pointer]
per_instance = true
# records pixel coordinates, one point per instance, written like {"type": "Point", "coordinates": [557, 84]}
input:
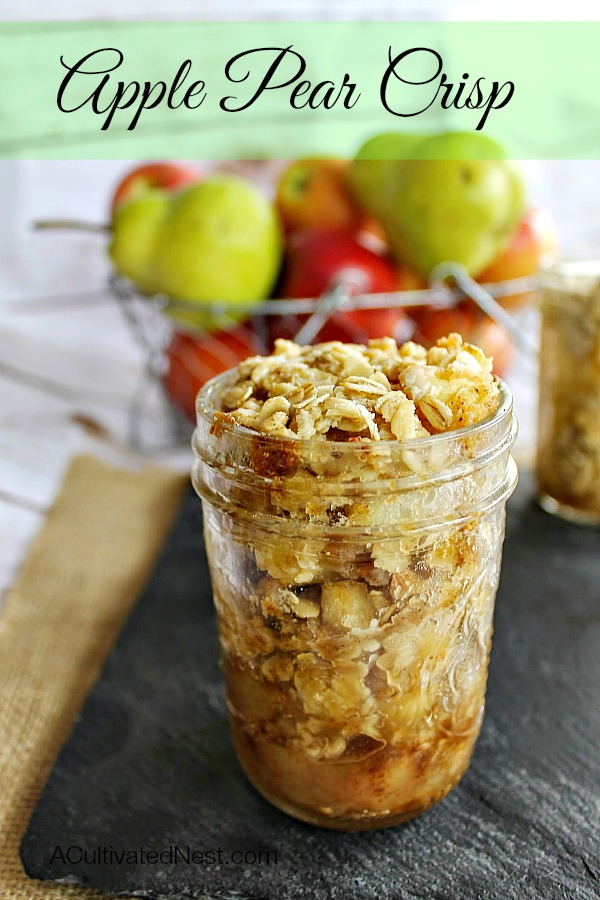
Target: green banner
{"type": "Point", "coordinates": [256, 90]}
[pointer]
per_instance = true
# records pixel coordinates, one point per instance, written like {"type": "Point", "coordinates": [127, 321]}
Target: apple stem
{"type": "Point", "coordinates": [71, 225]}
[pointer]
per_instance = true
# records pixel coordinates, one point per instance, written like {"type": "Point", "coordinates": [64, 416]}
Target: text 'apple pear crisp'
{"type": "Point", "coordinates": [354, 502]}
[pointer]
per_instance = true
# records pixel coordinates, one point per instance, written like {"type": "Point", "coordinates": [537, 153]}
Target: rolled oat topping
{"type": "Point", "coordinates": [344, 392]}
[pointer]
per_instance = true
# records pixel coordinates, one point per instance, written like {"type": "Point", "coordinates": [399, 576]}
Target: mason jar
{"type": "Point", "coordinates": [568, 451]}
{"type": "Point", "coordinates": [354, 585]}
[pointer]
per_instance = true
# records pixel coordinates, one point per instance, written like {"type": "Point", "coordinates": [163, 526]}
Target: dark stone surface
{"type": "Point", "coordinates": [150, 765]}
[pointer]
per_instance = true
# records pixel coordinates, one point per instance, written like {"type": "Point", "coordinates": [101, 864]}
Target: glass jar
{"type": "Point", "coordinates": [354, 585]}
{"type": "Point", "coordinates": [568, 454]}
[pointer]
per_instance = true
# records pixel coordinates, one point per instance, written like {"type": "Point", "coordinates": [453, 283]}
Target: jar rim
{"type": "Point", "coordinates": [575, 276]}
{"type": "Point", "coordinates": [206, 411]}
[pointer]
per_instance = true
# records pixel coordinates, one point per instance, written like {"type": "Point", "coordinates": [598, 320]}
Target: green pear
{"type": "Point", "coordinates": [135, 227]}
{"type": "Point", "coordinates": [389, 145]}
{"type": "Point", "coordinates": [460, 201]}
{"type": "Point", "coordinates": [459, 145]}
{"type": "Point", "coordinates": [372, 169]}
{"type": "Point", "coordinates": [219, 242]}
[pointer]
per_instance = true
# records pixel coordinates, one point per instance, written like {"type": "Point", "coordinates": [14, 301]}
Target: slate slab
{"type": "Point", "coordinates": [149, 765]}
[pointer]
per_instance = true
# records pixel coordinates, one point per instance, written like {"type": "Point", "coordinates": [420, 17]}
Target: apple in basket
{"type": "Point", "coordinates": [533, 245]}
{"type": "Point", "coordinates": [433, 322]}
{"type": "Point", "coordinates": [318, 259]}
{"type": "Point", "coordinates": [192, 360]}
{"type": "Point", "coordinates": [166, 176]}
{"type": "Point", "coordinates": [315, 193]}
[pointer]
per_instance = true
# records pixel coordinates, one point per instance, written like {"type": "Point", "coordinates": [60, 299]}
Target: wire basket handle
{"type": "Point", "coordinates": [457, 273]}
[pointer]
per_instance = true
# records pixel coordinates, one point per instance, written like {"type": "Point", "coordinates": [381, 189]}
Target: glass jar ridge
{"type": "Point", "coordinates": [354, 585]}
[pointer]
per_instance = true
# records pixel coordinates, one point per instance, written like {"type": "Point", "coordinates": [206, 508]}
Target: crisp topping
{"type": "Point", "coordinates": [336, 391]}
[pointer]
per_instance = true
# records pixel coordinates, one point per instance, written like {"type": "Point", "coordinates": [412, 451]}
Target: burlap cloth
{"type": "Point", "coordinates": [83, 572]}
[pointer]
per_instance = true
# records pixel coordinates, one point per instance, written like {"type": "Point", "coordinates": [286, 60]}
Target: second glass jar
{"type": "Point", "coordinates": [568, 457]}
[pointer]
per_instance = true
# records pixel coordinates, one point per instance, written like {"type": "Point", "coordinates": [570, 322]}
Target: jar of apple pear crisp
{"type": "Point", "coordinates": [354, 506]}
{"type": "Point", "coordinates": [568, 456]}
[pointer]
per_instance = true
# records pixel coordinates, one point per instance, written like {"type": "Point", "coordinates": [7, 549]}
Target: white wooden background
{"type": "Point", "coordinates": [69, 367]}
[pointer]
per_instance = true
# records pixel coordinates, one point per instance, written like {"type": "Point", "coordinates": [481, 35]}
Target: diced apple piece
{"type": "Point", "coordinates": [346, 605]}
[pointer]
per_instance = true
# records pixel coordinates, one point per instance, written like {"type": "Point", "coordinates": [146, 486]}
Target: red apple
{"type": "Point", "coordinates": [318, 259]}
{"type": "Point", "coordinates": [165, 175]}
{"type": "Point", "coordinates": [314, 193]}
{"type": "Point", "coordinates": [534, 243]}
{"type": "Point", "coordinates": [474, 326]}
{"type": "Point", "coordinates": [434, 322]}
{"type": "Point", "coordinates": [193, 360]}
{"type": "Point", "coordinates": [495, 342]}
